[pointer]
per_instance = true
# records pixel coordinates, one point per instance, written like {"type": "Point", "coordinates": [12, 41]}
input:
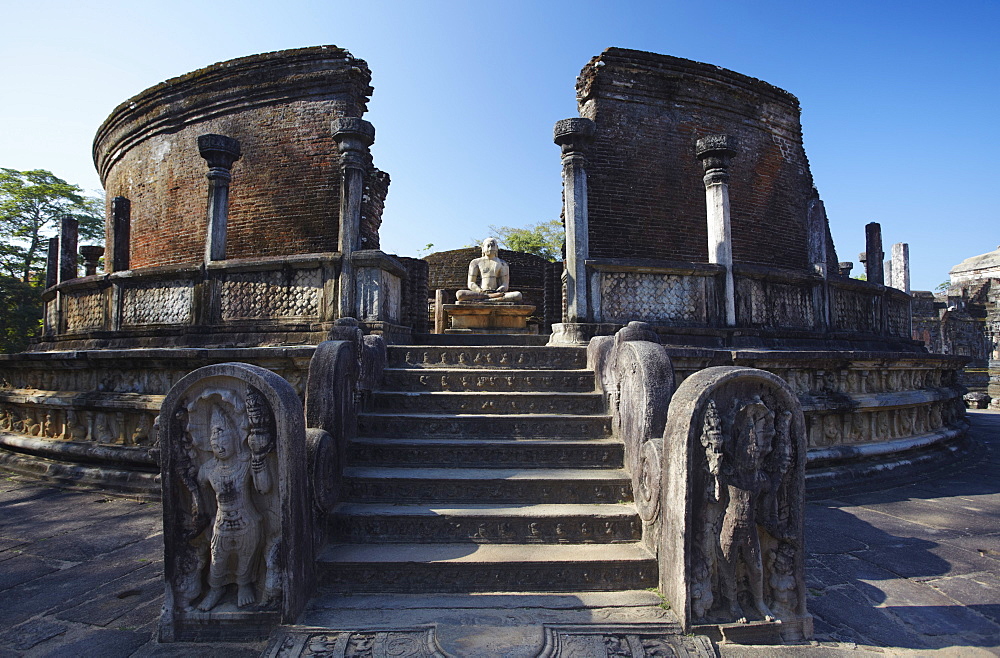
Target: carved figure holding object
{"type": "Point", "coordinates": [236, 530]}
{"type": "Point", "coordinates": [489, 278]}
{"type": "Point", "coordinates": [751, 441]}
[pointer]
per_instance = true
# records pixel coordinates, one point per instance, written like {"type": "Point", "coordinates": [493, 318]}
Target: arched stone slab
{"type": "Point", "coordinates": [238, 553]}
{"type": "Point", "coordinates": [732, 548]}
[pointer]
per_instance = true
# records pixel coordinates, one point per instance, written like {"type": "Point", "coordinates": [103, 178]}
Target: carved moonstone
{"type": "Point", "coordinates": [733, 500]}
{"type": "Point", "coordinates": [235, 504]}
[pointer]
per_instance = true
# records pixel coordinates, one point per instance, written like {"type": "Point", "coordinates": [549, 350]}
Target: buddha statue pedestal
{"type": "Point", "coordinates": [489, 318]}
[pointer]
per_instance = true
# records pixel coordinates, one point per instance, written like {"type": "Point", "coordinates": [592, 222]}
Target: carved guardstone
{"type": "Point", "coordinates": [238, 551]}
{"type": "Point", "coordinates": [732, 551]}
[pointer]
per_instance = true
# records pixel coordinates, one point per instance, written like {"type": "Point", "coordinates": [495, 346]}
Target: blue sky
{"type": "Point", "coordinates": [899, 99]}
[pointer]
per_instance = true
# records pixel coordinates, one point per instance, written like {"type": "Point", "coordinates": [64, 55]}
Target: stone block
{"type": "Point", "coordinates": [236, 507]}
{"type": "Point", "coordinates": [733, 502]}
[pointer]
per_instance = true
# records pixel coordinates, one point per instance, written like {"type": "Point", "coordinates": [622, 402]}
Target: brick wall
{"type": "Point", "coordinates": [646, 197]}
{"type": "Point", "coordinates": [285, 189]}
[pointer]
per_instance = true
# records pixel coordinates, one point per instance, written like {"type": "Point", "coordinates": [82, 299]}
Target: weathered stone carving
{"type": "Point", "coordinates": [489, 278]}
{"type": "Point", "coordinates": [272, 294]}
{"type": "Point", "coordinates": [234, 502]}
{"type": "Point", "coordinates": [662, 298]}
{"type": "Point", "coordinates": [84, 310]}
{"type": "Point", "coordinates": [637, 379]}
{"type": "Point", "coordinates": [166, 302]}
{"type": "Point", "coordinates": [733, 496]}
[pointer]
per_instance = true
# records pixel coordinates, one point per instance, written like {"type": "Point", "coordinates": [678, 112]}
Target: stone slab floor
{"type": "Point", "coordinates": [906, 570]}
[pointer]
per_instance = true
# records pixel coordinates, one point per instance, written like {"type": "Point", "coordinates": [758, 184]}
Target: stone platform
{"type": "Point", "coordinates": [495, 318]}
{"type": "Point", "coordinates": [906, 571]}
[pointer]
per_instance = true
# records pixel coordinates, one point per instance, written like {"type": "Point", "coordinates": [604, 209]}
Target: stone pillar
{"type": "Point", "coordinates": [573, 136]}
{"type": "Point", "coordinates": [220, 152]}
{"type": "Point", "coordinates": [845, 267]}
{"type": "Point", "coordinates": [52, 263]}
{"type": "Point", "coordinates": [91, 257]}
{"type": "Point", "coordinates": [816, 222]}
{"type": "Point", "coordinates": [900, 260]}
{"type": "Point", "coordinates": [353, 136]}
{"type": "Point", "coordinates": [121, 227]}
{"type": "Point", "coordinates": [440, 317]}
{"type": "Point", "coordinates": [873, 253]}
{"type": "Point", "coordinates": [68, 230]}
{"type": "Point", "coordinates": [715, 152]}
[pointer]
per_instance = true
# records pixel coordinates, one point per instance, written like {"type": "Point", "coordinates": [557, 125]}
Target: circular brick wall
{"type": "Point", "coordinates": [646, 197]}
{"type": "Point", "coordinates": [284, 194]}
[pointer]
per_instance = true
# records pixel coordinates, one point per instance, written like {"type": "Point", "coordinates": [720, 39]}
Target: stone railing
{"type": "Point", "coordinates": [680, 294]}
{"type": "Point", "coordinates": [659, 292]}
{"type": "Point", "coordinates": [258, 296]}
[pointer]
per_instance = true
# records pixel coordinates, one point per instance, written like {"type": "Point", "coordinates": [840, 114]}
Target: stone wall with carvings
{"type": "Point", "coordinates": [860, 398]}
{"type": "Point", "coordinates": [112, 398]}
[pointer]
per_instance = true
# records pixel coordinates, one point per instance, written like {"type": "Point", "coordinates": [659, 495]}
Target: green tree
{"type": "Point", "coordinates": [21, 305]}
{"type": "Point", "coordinates": [544, 239]}
{"type": "Point", "coordinates": [31, 205]}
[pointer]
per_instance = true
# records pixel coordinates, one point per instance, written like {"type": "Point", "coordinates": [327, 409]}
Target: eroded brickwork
{"type": "Point", "coordinates": [646, 197]}
{"type": "Point", "coordinates": [285, 192]}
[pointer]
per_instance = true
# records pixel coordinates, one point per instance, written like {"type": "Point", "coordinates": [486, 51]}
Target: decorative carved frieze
{"type": "Point", "coordinates": [83, 310]}
{"type": "Point", "coordinates": [167, 302]}
{"type": "Point", "coordinates": [658, 298]}
{"type": "Point", "coordinates": [276, 294]}
{"type": "Point", "coordinates": [762, 303]}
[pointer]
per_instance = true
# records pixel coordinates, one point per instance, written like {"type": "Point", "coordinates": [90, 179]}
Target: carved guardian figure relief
{"type": "Point", "coordinates": [233, 512]}
{"type": "Point", "coordinates": [736, 510]}
{"type": "Point", "coordinates": [745, 536]}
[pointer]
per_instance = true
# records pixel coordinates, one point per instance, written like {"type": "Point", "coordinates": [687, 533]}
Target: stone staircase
{"type": "Point", "coordinates": [485, 468]}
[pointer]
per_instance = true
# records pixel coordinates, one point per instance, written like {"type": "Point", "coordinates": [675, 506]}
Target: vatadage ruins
{"type": "Point", "coordinates": [326, 423]}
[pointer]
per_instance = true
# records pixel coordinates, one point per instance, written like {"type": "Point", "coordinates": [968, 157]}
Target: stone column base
{"type": "Point", "coordinates": [580, 333]}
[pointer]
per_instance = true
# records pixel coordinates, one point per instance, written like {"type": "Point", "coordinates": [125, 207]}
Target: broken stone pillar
{"type": "Point", "coordinates": [220, 152]}
{"type": "Point", "coordinates": [816, 221]}
{"type": "Point", "coordinates": [845, 267]}
{"type": "Point", "coordinates": [353, 135]}
{"type": "Point", "coordinates": [121, 227]}
{"type": "Point", "coordinates": [715, 152]}
{"type": "Point", "coordinates": [91, 258]}
{"type": "Point", "coordinates": [52, 263]}
{"type": "Point", "coordinates": [900, 272]}
{"type": "Point", "coordinates": [873, 253]}
{"type": "Point", "coordinates": [573, 136]}
{"type": "Point", "coordinates": [68, 231]}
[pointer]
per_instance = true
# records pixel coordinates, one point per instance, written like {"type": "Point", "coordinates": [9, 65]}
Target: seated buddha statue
{"type": "Point", "coordinates": [489, 278]}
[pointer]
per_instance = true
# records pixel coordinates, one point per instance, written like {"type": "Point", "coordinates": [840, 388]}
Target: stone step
{"type": "Point", "coordinates": [487, 402]}
{"type": "Point", "coordinates": [506, 524]}
{"type": "Point", "coordinates": [497, 381]}
{"type": "Point", "coordinates": [483, 426]}
{"type": "Point", "coordinates": [513, 453]}
{"type": "Point", "coordinates": [471, 567]}
{"type": "Point", "coordinates": [490, 356]}
{"type": "Point", "coordinates": [486, 485]}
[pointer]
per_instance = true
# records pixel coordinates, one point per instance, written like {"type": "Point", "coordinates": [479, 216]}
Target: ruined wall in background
{"type": "Point", "coordinates": [285, 190]}
{"type": "Point", "coordinates": [646, 198]}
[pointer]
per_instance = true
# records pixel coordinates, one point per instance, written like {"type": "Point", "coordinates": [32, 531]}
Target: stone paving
{"type": "Point", "coordinates": [911, 570]}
